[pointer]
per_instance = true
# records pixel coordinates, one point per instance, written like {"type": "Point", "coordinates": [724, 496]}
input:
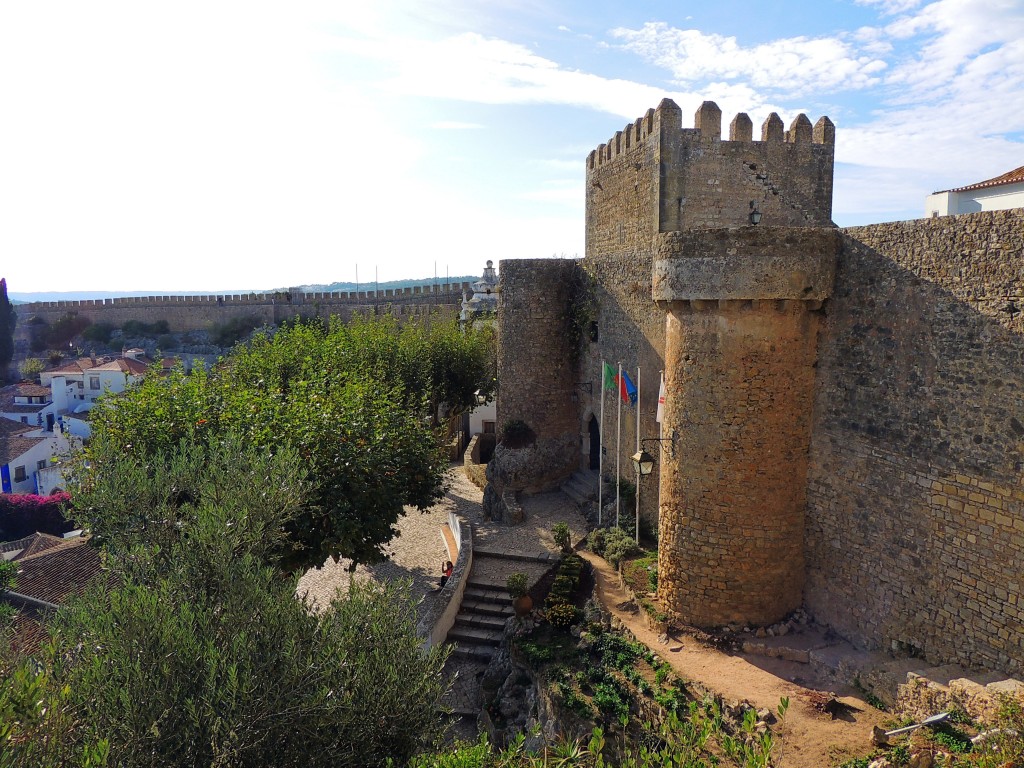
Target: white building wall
{"type": "Point", "coordinates": [998, 198]}
{"type": "Point", "coordinates": [479, 415]}
{"type": "Point", "coordinates": [30, 459]}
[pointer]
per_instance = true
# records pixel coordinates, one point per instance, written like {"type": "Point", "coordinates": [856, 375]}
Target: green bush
{"type": "Point", "coordinates": [562, 615]}
{"type": "Point", "coordinates": [229, 333]}
{"type": "Point", "coordinates": [99, 332]}
{"type": "Point", "coordinates": [140, 328]}
{"type": "Point", "coordinates": [562, 536]}
{"type": "Point", "coordinates": [613, 544]}
{"type": "Point", "coordinates": [517, 584]}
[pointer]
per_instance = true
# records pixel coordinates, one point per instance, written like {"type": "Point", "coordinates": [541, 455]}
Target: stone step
{"type": "Point", "coordinates": [475, 636]}
{"type": "Point", "coordinates": [539, 556]}
{"type": "Point", "coordinates": [579, 497]}
{"type": "Point", "coordinates": [501, 608]}
{"type": "Point", "coordinates": [479, 620]}
{"type": "Point", "coordinates": [478, 590]}
{"type": "Point", "coordinates": [481, 653]}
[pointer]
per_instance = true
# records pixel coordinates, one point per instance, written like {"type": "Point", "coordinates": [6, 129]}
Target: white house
{"type": "Point", "coordinates": [1000, 193]}
{"type": "Point", "coordinates": [29, 404]}
{"type": "Point", "coordinates": [24, 451]}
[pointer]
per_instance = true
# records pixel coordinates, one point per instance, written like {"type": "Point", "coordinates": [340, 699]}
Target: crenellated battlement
{"type": "Point", "coordinates": [707, 124]}
{"type": "Point", "coordinates": [657, 176]}
{"type": "Point", "coordinates": [187, 313]}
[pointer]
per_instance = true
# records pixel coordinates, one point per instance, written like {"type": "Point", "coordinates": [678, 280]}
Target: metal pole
{"type": "Point", "coordinates": [618, 445]}
{"type": "Point", "coordinates": [636, 531]}
{"type": "Point", "coordinates": [600, 447]}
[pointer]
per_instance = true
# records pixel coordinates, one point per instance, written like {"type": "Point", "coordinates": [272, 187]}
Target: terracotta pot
{"type": "Point", "coordinates": [522, 605]}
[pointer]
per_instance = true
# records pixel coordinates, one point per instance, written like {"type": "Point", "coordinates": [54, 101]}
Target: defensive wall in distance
{"type": "Point", "coordinates": [189, 313]}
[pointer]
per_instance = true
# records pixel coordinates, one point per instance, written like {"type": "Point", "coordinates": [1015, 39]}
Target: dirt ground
{"type": "Point", "coordinates": [809, 738]}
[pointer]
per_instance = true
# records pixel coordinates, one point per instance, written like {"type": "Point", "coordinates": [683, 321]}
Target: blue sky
{"type": "Point", "coordinates": [218, 145]}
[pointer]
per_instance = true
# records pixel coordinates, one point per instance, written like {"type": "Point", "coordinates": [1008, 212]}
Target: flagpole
{"type": "Point", "coordinates": [618, 445]}
{"type": "Point", "coordinates": [600, 447]}
{"type": "Point", "coordinates": [636, 531]}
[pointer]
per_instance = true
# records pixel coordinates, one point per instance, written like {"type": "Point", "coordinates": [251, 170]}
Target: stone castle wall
{"type": "Point", "coordinates": [655, 176]}
{"type": "Point", "coordinates": [743, 318]}
{"type": "Point", "coordinates": [915, 535]}
{"type": "Point", "coordinates": [189, 313]}
{"type": "Point", "coordinates": [537, 375]}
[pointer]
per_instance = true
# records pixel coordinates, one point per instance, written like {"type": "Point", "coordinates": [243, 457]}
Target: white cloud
{"type": "Point", "coordinates": [891, 7]}
{"type": "Point", "coordinates": [455, 125]}
{"type": "Point", "coordinates": [790, 65]}
{"type": "Point", "coordinates": [471, 67]}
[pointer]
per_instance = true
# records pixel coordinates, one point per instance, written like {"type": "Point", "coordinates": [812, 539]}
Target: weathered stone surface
{"type": "Point", "coordinates": [915, 534]}
{"type": "Point", "coordinates": [745, 263]}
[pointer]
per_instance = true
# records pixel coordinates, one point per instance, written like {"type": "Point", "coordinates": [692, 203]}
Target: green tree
{"type": "Point", "coordinates": [31, 368]}
{"type": "Point", "coordinates": [8, 574]}
{"type": "Point", "coordinates": [200, 654]}
{"type": "Point", "coordinates": [8, 319]}
{"type": "Point", "coordinates": [352, 401]}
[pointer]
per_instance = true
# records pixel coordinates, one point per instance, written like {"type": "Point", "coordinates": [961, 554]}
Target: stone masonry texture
{"type": "Point", "coordinates": [848, 406]}
{"type": "Point", "coordinates": [191, 313]}
{"type": "Point", "coordinates": [536, 373]}
{"type": "Point", "coordinates": [740, 353]}
{"type": "Point", "coordinates": [915, 535]}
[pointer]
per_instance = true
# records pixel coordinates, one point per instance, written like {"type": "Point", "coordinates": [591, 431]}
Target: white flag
{"type": "Point", "coordinates": [661, 401]}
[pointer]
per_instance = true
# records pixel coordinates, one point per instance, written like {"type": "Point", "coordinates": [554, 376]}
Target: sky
{"type": "Point", "coordinates": [158, 146]}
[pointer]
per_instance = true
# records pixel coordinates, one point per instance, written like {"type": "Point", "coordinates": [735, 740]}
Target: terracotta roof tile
{"type": "Point", "coordinates": [13, 441]}
{"type": "Point", "coordinates": [1015, 176]}
{"type": "Point", "coordinates": [39, 542]}
{"type": "Point", "coordinates": [30, 545]}
{"type": "Point", "coordinates": [54, 573]}
{"type": "Point", "coordinates": [123, 364]}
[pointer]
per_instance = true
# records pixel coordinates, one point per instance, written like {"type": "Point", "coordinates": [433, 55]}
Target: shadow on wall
{"type": "Point", "coordinates": [915, 531]}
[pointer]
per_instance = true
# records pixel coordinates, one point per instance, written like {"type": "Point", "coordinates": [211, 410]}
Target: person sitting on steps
{"type": "Point", "coordinates": [446, 572]}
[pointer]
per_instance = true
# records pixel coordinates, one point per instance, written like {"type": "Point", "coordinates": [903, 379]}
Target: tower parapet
{"type": "Point", "coordinates": [657, 176]}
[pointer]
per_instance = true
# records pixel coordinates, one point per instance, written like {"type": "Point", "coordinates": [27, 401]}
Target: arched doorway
{"type": "Point", "coordinates": [595, 443]}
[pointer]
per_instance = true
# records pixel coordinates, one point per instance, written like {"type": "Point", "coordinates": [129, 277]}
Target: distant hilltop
{"type": "Point", "coordinates": [393, 285]}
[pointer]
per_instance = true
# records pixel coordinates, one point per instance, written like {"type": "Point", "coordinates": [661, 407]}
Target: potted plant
{"type": "Point", "coordinates": [518, 585]}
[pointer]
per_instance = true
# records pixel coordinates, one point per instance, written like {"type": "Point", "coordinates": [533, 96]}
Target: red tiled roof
{"type": "Point", "coordinates": [61, 570]}
{"type": "Point", "coordinates": [29, 389]}
{"type": "Point", "coordinates": [8, 393]}
{"type": "Point", "coordinates": [13, 441]}
{"type": "Point", "coordinates": [28, 630]}
{"type": "Point", "coordinates": [124, 365]}
{"type": "Point", "coordinates": [1010, 177]}
{"type": "Point", "coordinates": [30, 545]}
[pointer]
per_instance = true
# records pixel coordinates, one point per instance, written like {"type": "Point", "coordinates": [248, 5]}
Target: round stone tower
{"type": "Point", "coordinates": [740, 350]}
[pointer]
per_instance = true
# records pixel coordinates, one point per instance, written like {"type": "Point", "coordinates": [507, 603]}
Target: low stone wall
{"type": "Point", "coordinates": [475, 471]}
{"type": "Point", "coordinates": [437, 623]}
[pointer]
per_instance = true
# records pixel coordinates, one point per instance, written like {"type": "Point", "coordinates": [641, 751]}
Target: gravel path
{"type": "Point", "coordinates": [416, 554]}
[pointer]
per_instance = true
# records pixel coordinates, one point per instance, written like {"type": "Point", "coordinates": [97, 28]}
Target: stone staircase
{"type": "Point", "coordinates": [481, 620]}
{"type": "Point", "coordinates": [581, 487]}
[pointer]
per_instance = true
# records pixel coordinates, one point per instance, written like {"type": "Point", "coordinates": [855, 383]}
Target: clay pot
{"type": "Point", "coordinates": [522, 605]}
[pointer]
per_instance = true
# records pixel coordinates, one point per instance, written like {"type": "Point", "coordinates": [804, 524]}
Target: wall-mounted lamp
{"type": "Point", "coordinates": [755, 214]}
{"type": "Point", "coordinates": [643, 462]}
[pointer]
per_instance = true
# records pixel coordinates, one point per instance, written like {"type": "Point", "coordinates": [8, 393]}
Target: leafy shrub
{"type": "Point", "coordinates": [517, 584]}
{"type": "Point", "coordinates": [65, 329]}
{"type": "Point", "coordinates": [566, 582]}
{"type": "Point", "coordinates": [166, 341]}
{"type": "Point", "coordinates": [99, 332]}
{"type": "Point", "coordinates": [562, 615]}
{"type": "Point", "coordinates": [613, 544]}
{"type": "Point", "coordinates": [139, 328]}
{"type": "Point", "coordinates": [609, 700]}
{"type": "Point", "coordinates": [562, 536]}
{"type": "Point", "coordinates": [229, 333]}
